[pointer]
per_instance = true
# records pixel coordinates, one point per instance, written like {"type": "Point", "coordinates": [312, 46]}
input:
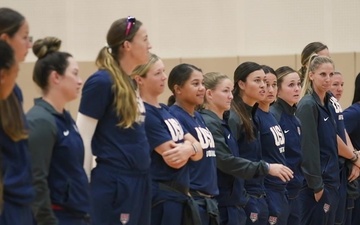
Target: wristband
{"type": "Point", "coordinates": [355, 158]}
{"type": "Point", "coordinates": [267, 166]}
{"type": "Point", "coordinates": [195, 148]}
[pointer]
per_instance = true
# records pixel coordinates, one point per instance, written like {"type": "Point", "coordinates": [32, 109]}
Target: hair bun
{"type": "Point", "coordinates": [43, 47]}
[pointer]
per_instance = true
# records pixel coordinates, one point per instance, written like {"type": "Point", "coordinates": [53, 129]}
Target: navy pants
{"type": "Point", "coordinates": [356, 214]}
{"type": "Point", "coordinates": [167, 212]}
{"type": "Point", "coordinates": [208, 210]}
{"type": "Point", "coordinates": [66, 218]}
{"type": "Point", "coordinates": [120, 195]}
{"type": "Point", "coordinates": [14, 214]}
{"type": "Point", "coordinates": [322, 212]}
{"type": "Point", "coordinates": [340, 211]}
{"type": "Point", "coordinates": [295, 206]}
{"type": "Point", "coordinates": [168, 206]}
{"type": "Point", "coordinates": [232, 215]}
{"type": "Point", "coordinates": [278, 206]}
{"type": "Point", "coordinates": [257, 211]}
{"type": "Point", "coordinates": [349, 211]}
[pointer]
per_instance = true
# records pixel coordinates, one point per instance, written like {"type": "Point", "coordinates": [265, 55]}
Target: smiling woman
{"type": "Point", "coordinates": [186, 84]}
{"type": "Point", "coordinates": [172, 147]}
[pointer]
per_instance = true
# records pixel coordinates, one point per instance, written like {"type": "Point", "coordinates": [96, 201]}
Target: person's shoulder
{"type": "Point", "coordinates": [175, 110]}
{"type": "Point", "coordinates": [38, 112]}
{"type": "Point", "coordinates": [150, 109]}
{"type": "Point", "coordinates": [100, 77]}
{"type": "Point", "coordinates": [306, 100]}
{"type": "Point", "coordinates": [162, 105]}
{"type": "Point", "coordinates": [233, 116]}
{"type": "Point", "coordinates": [209, 116]}
{"type": "Point", "coordinates": [18, 93]}
{"type": "Point", "coordinates": [39, 116]}
{"type": "Point", "coordinates": [276, 110]}
{"type": "Point", "coordinates": [353, 109]}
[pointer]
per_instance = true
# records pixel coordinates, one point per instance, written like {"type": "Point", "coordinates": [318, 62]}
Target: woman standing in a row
{"type": "Point", "coordinates": [352, 124]}
{"type": "Point", "coordinates": [57, 151]}
{"type": "Point", "coordinates": [289, 88]}
{"type": "Point", "coordinates": [249, 88]}
{"type": "Point", "coordinates": [319, 145]}
{"type": "Point", "coordinates": [273, 151]}
{"type": "Point", "coordinates": [16, 169]}
{"type": "Point", "coordinates": [231, 168]}
{"type": "Point", "coordinates": [344, 146]}
{"type": "Point", "coordinates": [186, 83]}
{"type": "Point", "coordinates": [111, 121]}
{"type": "Point", "coordinates": [171, 148]}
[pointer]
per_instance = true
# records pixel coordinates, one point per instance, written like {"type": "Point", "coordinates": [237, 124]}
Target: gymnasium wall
{"type": "Point", "coordinates": [215, 35]}
{"type": "Point", "coordinates": [347, 63]}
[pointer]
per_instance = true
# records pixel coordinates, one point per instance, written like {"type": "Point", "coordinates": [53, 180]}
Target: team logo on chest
{"type": "Point", "coordinates": [272, 220]}
{"type": "Point", "coordinates": [141, 109]}
{"type": "Point", "coordinates": [279, 137]}
{"type": "Point", "coordinates": [66, 133]}
{"type": "Point", "coordinates": [175, 129]}
{"type": "Point", "coordinates": [326, 207]}
{"type": "Point", "coordinates": [124, 218]}
{"type": "Point", "coordinates": [337, 107]}
{"type": "Point", "coordinates": [206, 140]}
{"type": "Point", "coordinates": [253, 217]}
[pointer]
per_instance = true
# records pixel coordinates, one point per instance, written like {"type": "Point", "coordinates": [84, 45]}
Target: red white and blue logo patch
{"type": "Point", "coordinates": [253, 217]}
{"type": "Point", "coordinates": [272, 220]}
{"type": "Point", "coordinates": [326, 207]}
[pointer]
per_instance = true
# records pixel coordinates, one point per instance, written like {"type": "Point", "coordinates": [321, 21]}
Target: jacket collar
{"type": "Point", "coordinates": [288, 109]}
{"type": "Point", "coordinates": [41, 102]}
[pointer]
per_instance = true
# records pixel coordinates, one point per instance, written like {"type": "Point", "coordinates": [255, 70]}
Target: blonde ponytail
{"type": "Point", "coordinates": [124, 94]}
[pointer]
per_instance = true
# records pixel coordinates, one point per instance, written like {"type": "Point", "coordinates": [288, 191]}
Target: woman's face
{"type": "Point", "coordinates": [21, 42]}
{"type": "Point", "coordinates": [193, 90]}
{"type": "Point", "coordinates": [7, 80]}
{"type": "Point", "coordinates": [270, 88]}
{"type": "Point", "coordinates": [290, 88]}
{"type": "Point", "coordinates": [140, 46]}
{"type": "Point", "coordinates": [221, 95]}
{"type": "Point", "coordinates": [71, 81]}
{"type": "Point", "coordinates": [321, 78]}
{"type": "Point", "coordinates": [337, 86]}
{"type": "Point", "coordinates": [253, 89]}
{"type": "Point", "coordinates": [154, 81]}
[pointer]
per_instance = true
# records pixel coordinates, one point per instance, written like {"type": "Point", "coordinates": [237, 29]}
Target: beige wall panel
{"type": "Point", "coordinates": [357, 63]}
{"type": "Point", "coordinates": [169, 64]}
{"type": "Point", "coordinates": [297, 62]}
{"type": "Point", "coordinates": [220, 29]}
{"type": "Point", "coordinates": [28, 87]}
{"type": "Point", "coordinates": [345, 63]}
{"type": "Point", "coordinates": [31, 91]}
{"type": "Point", "coordinates": [272, 61]}
{"type": "Point", "coordinates": [86, 69]}
{"type": "Point", "coordinates": [225, 65]}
